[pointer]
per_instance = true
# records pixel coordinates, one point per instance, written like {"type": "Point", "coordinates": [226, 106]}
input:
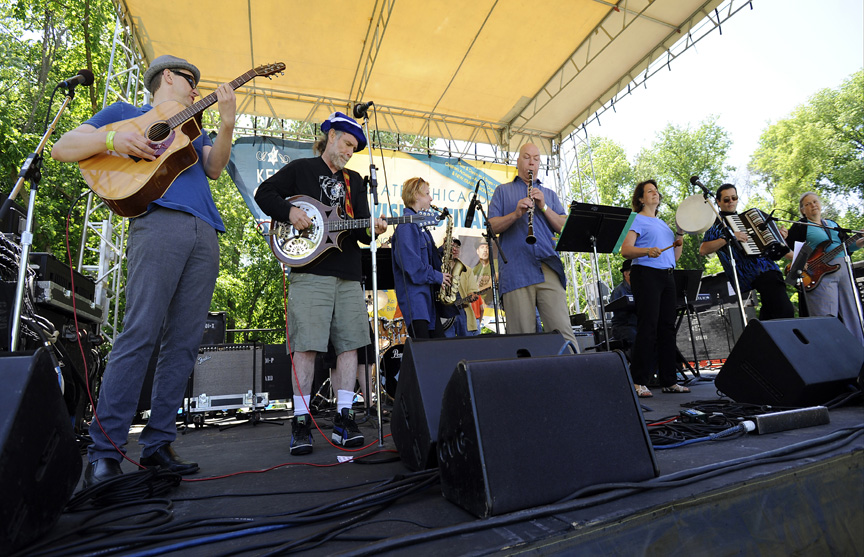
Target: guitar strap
{"type": "Point", "coordinates": [349, 209]}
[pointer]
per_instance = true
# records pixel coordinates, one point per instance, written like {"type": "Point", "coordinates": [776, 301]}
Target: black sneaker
{"type": "Point", "coordinates": [301, 435]}
{"type": "Point", "coordinates": [345, 430]}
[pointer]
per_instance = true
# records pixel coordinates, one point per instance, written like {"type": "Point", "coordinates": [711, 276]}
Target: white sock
{"type": "Point", "coordinates": [344, 399]}
{"type": "Point", "coordinates": [301, 404]}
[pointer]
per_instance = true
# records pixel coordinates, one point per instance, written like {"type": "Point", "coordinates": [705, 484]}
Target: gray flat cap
{"type": "Point", "coordinates": [168, 62]}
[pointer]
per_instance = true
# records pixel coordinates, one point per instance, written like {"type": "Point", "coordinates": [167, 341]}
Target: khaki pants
{"type": "Point", "coordinates": [548, 297]}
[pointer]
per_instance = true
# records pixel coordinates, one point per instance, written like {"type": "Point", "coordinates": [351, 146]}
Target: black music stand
{"type": "Point", "coordinates": [686, 289]}
{"type": "Point", "coordinates": [595, 229]}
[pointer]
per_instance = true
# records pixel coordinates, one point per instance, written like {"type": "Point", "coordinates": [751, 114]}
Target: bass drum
{"type": "Point", "coordinates": [391, 362]}
{"type": "Point", "coordinates": [695, 215]}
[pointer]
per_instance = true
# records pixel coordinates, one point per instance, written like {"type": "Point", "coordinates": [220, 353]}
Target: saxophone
{"type": "Point", "coordinates": [448, 294]}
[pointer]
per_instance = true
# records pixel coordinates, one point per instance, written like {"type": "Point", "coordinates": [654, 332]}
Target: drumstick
{"type": "Point", "coordinates": [667, 247]}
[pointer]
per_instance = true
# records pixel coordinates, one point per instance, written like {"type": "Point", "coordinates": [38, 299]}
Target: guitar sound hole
{"type": "Point", "coordinates": [158, 132]}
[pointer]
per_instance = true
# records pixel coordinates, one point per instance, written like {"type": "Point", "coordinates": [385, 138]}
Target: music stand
{"type": "Point", "coordinates": [595, 229]}
{"type": "Point", "coordinates": [686, 289]}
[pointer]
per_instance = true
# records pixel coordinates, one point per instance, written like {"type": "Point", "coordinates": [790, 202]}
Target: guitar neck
{"type": "Point", "coordinates": [207, 101]}
{"type": "Point", "coordinates": [829, 256]}
{"type": "Point", "coordinates": [351, 224]}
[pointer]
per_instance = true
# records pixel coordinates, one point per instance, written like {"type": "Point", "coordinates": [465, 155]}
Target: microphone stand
{"type": "Point", "coordinates": [731, 241]}
{"type": "Point", "coordinates": [31, 171]}
{"type": "Point", "coordinates": [490, 237]}
{"type": "Point", "coordinates": [373, 251]}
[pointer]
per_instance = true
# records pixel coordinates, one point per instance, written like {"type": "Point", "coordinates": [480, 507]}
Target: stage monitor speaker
{"type": "Point", "coordinates": [791, 362]}
{"type": "Point", "coordinates": [40, 462]}
{"type": "Point", "coordinates": [427, 365]}
{"type": "Point", "coordinates": [520, 433]}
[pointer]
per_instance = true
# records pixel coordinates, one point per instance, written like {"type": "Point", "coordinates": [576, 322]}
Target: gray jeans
{"type": "Point", "coordinates": [173, 262]}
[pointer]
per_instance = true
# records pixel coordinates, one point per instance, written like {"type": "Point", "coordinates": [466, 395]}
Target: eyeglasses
{"type": "Point", "coordinates": [189, 79]}
{"type": "Point", "coordinates": [728, 199]}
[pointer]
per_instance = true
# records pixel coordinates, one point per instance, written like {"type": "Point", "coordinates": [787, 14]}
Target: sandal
{"type": "Point", "coordinates": [676, 388]}
{"type": "Point", "coordinates": [642, 391]}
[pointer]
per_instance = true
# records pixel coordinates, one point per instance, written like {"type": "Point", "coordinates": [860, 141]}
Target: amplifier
{"type": "Point", "coordinates": [228, 377]}
{"type": "Point", "coordinates": [56, 296]}
{"type": "Point", "coordinates": [277, 372]}
{"type": "Point", "coordinates": [215, 328]}
{"type": "Point", "coordinates": [715, 332]}
{"type": "Point", "coordinates": [49, 268]}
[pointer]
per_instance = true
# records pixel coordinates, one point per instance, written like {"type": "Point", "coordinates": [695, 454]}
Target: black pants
{"type": "Point", "coordinates": [772, 293]}
{"type": "Point", "coordinates": [654, 295]}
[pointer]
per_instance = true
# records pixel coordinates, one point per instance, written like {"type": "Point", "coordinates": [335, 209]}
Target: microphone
{"type": "Point", "coordinates": [469, 217]}
{"type": "Point", "coordinates": [84, 77]}
{"type": "Point", "coordinates": [360, 109]}
{"type": "Point", "coordinates": [694, 181]}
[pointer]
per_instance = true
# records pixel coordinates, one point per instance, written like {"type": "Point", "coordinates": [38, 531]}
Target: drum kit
{"type": "Point", "coordinates": [392, 334]}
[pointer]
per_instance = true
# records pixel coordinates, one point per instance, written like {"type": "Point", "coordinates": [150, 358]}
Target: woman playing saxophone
{"type": "Point", "coordinates": [417, 265]}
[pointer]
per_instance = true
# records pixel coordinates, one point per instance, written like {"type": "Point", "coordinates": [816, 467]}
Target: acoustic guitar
{"type": "Point", "coordinates": [127, 184]}
{"type": "Point", "coordinates": [296, 248]}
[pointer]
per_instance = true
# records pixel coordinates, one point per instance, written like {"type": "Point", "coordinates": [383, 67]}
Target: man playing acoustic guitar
{"type": "Point", "coordinates": [173, 260]}
{"type": "Point", "coordinates": [325, 298]}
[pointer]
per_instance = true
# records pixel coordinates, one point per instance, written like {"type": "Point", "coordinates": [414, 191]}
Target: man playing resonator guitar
{"type": "Point", "coordinates": [325, 298]}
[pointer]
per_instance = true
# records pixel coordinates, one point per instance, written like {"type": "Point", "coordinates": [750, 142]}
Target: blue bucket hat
{"type": "Point", "coordinates": [341, 122]}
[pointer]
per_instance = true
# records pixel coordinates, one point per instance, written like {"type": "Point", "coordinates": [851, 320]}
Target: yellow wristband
{"type": "Point", "coordinates": [543, 208]}
{"type": "Point", "coordinates": [109, 140]}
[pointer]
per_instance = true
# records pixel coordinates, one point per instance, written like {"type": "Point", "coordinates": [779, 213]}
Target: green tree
{"type": "Point", "coordinates": [819, 147]}
{"type": "Point", "coordinates": [677, 154]}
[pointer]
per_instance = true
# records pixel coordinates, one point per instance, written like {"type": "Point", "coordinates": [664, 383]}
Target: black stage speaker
{"type": "Point", "coordinates": [427, 365]}
{"type": "Point", "coordinates": [791, 362]}
{"type": "Point", "coordinates": [520, 433]}
{"type": "Point", "coordinates": [40, 462]}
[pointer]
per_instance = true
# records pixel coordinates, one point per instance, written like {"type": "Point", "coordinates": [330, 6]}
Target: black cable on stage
{"type": "Point", "coordinates": [134, 486]}
{"type": "Point", "coordinates": [235, 527]}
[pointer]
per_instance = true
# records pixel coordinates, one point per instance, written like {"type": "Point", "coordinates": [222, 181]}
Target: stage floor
{"type": "Point", "coordinates": [251, 497]}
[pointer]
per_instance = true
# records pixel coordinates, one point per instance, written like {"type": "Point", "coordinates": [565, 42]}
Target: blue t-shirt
{"type": "Point", "coordinates": [654, 233]}
{"type": "Point", "coordinates": [749, 266]}
{"type": "Point", "coordinates": [190, 191]}
{"type": "Point", "coordinates": [523, 267]}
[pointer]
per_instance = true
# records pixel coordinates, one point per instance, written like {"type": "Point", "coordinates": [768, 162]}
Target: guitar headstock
{"type": "Point", "coordinates": [269, 69]}
{"type": "Point", "coordinates": [424, 220]}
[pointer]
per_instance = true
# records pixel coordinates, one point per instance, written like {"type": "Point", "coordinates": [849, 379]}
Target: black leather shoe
{"type": "Point", "coordinates": [101, 470]}
{"type": "Point", "coordinates": [166, 459]}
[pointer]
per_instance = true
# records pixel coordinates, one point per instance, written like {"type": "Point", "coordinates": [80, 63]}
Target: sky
{"type": "Point", "coordinates": [767, 61]}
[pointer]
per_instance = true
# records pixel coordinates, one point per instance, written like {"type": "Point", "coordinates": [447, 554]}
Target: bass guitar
{"type": "Point", "coordinates": [818, 264]}
{"type": "Point", "coordinates": [296, 248]}
{"type": "Point", "coordinates": [127, 184]}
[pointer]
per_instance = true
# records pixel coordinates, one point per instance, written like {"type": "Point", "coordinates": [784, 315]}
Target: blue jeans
{"type": "Point", "coordinates": [172, 262]}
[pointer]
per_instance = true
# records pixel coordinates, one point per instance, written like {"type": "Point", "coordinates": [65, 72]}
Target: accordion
{"type": "Point", "coordinates": [763, 235]}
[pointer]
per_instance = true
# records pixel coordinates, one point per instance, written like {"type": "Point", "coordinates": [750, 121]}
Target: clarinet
{"type": "Point", "coordinates": [530, 239]}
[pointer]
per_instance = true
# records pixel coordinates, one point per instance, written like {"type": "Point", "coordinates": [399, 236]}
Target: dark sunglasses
{"type": "Point", "coordinates": [728, 199]}
{"type": "Point", "coordinates": [189, 79]}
